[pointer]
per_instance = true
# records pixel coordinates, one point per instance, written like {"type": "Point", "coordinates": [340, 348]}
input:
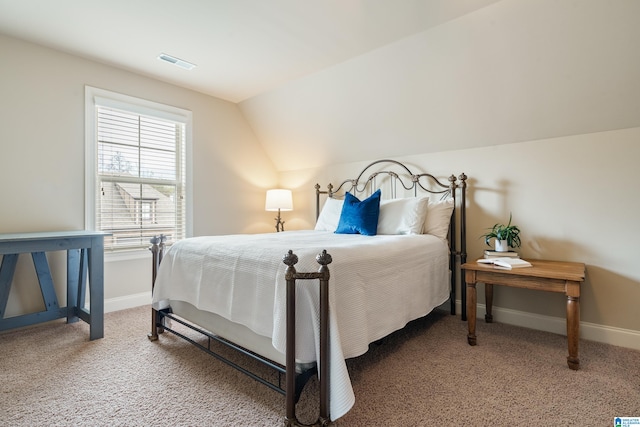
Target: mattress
{"type": "Point", "coordinates": [378, 284]}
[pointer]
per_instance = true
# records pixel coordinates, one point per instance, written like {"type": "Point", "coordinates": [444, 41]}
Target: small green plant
{"type": "Point", "coordinates": [510, 233]}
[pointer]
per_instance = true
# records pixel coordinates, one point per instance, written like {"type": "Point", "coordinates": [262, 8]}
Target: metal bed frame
{"type": "Point", "coordinates": [295, 381]}
{"type": "Point", "coordinates": [413, 183]}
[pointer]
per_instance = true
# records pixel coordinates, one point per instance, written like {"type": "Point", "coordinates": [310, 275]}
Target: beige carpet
{"type": "Point", "coordinates": [426, 375]}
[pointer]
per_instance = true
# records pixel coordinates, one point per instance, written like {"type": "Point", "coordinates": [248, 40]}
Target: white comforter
{"type": "Point", "coordinates": [378, 284]}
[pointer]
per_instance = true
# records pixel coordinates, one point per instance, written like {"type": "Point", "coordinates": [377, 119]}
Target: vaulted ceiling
{"type": "Point", "coordinates": [322, 82]}
{"type": "Point", "coordinates": [241, 47]}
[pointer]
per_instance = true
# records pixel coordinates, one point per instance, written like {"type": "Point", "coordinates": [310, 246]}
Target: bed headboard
{"type": "Point", "coordinates": [399, 181]}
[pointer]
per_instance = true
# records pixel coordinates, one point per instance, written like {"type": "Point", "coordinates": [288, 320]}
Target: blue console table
{"type": "Point", "coordinates": [85, 259]}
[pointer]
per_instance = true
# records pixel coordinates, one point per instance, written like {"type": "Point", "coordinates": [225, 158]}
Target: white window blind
{"type": "Point", "coordinates": [140, 176]}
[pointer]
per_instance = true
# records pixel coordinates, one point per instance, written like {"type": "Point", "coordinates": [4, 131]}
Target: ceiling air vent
{"type": "Point", "coordinates": [176, 61]}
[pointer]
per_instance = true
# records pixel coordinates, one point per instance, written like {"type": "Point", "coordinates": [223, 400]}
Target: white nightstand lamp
{"type": "Point", "coordinates": [279, 200]}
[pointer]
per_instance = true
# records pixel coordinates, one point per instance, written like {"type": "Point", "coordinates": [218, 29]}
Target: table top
{"type": "Point", "coordinates": [562, 270]}
{"type": "Point", "coordinates": [48, 235]}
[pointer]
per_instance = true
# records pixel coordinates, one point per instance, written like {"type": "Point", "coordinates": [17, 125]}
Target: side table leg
{"type": "Point", "coordinates": [488, 296]}
{"type": "Point", "coordinates": [73, 275]}
{"type": "Point", "coordinates": [7, 269]}
{"type": "Point", "coordinates": [573, 331]}
{"type": "Point", "coordinates": [472, 300]}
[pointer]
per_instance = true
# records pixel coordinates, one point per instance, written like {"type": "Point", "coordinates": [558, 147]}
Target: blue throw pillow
{"type": "Point", "coordinates": [359, 217]}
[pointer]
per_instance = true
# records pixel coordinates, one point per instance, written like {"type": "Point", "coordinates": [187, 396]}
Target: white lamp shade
{"type": "Point", "coordinates": [279, 199]}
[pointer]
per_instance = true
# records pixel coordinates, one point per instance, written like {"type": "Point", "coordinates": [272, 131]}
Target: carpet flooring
{"type": "Point", "coordinates": [424, 375]}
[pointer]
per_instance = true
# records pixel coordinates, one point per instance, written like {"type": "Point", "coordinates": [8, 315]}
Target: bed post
{"type": "Point", "coordinates": [324, 259]}
{"type": "Point", "coordinates": [463, 243]}
{"type": "Point", "coordinates": [329, 192]}
{"type": "Point", "coordinates": [157, 251]}
{"type": "Point", "coordinates": [290, 356]}
{"type": "Point", "coordinates": [453, 236]}
{"type": "Point", "coordinates": [317, 187]}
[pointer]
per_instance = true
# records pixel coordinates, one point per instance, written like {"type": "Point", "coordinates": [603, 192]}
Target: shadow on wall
{"type": "Point", "coordinates": [500, 191]}
{"type": "Point", "coordinates": [556, 249]}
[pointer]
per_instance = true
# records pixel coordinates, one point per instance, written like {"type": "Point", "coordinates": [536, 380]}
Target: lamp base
{"type": "Point", "coordinates": [279, 223]}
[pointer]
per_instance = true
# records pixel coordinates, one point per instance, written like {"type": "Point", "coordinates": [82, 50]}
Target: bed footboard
{"type": "Point", "coordinates": [291, 276]}
{"type": "Point", "coordinates": [294, 381]}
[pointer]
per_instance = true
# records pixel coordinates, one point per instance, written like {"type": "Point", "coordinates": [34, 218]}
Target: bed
{"type": "Point", "coordinates": [383, 274]}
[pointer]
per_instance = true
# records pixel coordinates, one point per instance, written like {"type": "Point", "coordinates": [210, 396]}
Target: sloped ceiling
{"type": "Point", "coordinates": [241, 47]}
{"type": "Point", "coordinates": [514, 71]}
{"type": "Point", "coordinates": [335, 81]}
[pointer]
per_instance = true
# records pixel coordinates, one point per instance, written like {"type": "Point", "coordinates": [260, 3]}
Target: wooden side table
{"type": "Point", "coordinates": [552, 276]}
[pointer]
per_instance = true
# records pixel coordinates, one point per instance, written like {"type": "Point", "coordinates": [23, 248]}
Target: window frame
{"type": "Point", "coordinates": [95, 97]}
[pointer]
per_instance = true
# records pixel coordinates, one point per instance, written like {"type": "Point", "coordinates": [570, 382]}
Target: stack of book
{"type": "Point", "coordinates": [505, 262]}
{"type": "Point", "coordinates": [495, 254]}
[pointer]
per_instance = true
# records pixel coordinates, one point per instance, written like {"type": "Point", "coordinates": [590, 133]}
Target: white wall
{"type": "Point", "coordinates": [42, 159]}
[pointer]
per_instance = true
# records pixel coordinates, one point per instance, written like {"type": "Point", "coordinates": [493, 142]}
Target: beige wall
{"type": "Point", "coordinates": [538, 101]}
{"type": "Point", "coordinates": [42, 158]}
{"type": "Point", "coordinates": [572, 199]}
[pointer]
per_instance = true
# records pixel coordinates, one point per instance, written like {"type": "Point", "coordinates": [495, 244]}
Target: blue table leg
{"type": "Point", "coordinates": [73, 279]}
{"type": "Point", "coordinates": [82, 281]}
{"type": "Point", "coordinates": [46, 281]}
{"type": "Point", "coordinates": [7, 269]}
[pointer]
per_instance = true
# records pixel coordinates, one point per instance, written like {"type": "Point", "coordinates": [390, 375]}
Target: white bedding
{"type": "Point", "coordinates": [378, 284]}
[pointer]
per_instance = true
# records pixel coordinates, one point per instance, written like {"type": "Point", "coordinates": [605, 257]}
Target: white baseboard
{"type": "Point", "coordinates": [588, 331]}
{"type": "Point", "coordinates": [129, 301]}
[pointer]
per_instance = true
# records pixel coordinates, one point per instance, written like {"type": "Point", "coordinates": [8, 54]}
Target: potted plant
{"type": "Point", "coordinates": [506, 236]}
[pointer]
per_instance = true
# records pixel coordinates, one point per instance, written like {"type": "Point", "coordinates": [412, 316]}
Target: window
{"type": "Point", "coordinates": [137, 184]}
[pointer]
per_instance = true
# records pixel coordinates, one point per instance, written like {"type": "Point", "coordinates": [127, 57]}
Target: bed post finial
{"type": "Point", "coordinates": [290, 258]}
{"type": "Point", "coordinates": [324, 258]}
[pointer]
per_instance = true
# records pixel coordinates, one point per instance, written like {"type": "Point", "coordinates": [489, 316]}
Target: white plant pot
{"type": "Point", "coordinates": [502, 246]}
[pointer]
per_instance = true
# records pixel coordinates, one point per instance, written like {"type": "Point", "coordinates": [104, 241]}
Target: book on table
{"type": "Point", "coordinates": [505, 262]}
{"type": "Point", "coordinates": [496, 254]}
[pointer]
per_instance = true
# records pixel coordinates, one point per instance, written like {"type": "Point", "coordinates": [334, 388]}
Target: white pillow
{"type": "Point", "coordinates": [329, 215]}
{"type": "Point", "coordinates": [402, 216]}
{"type": "Point", "coordinates": [438, 218]}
